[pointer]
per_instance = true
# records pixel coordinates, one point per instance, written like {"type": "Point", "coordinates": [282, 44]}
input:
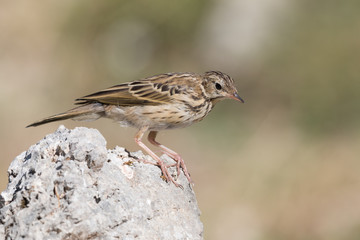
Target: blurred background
{"type": "Point", "coordinates": [285, 165]}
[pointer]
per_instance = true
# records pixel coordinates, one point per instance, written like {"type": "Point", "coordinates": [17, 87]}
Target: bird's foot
{"type": "Point", "coordinates": [179, 163]}
{"type": "Point", "coordinates": [166, 176]}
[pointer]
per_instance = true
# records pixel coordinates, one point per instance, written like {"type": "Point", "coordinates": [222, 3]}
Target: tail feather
{"type": "Point", "coordinates": [89, 112]}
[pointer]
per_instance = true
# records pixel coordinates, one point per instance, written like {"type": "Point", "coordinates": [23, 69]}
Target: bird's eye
{"type": "Point", "coordinates": [218, 86]}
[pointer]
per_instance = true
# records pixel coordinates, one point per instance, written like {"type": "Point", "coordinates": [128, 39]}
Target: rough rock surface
{"type": "Point", "coordinates": [69, 186]}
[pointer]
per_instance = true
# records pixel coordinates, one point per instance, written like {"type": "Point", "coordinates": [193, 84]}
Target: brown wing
{"type": "Point", "coordinates": [151, 91]}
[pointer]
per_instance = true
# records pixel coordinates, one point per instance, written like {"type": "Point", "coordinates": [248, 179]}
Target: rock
{"type": "Point", "coordinates": [69, 186]}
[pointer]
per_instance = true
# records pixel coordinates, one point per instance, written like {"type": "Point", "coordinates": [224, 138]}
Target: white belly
{"type": "Point", "coordinates": [157, 117]}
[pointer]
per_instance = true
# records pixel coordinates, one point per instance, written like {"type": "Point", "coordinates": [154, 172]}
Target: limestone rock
{"type": "Point", "coordinates": [69, 186]}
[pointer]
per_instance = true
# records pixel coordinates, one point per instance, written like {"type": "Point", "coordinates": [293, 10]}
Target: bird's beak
{"type": "Point", "coordinates": [236, 97]}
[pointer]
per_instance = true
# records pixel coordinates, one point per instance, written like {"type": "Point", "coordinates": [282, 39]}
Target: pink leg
{"type": "Point", "coordinates": [179, 161]}
{"type": "Point", "coordinates": [163, 167]}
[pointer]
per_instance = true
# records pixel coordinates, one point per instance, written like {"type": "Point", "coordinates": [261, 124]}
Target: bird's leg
{"type": "Point", "coordinates": [163, 167]}
{"type": "Point", "coordinates": [179, 161]}
{"type": "Point", "coordinates": [151, 137]}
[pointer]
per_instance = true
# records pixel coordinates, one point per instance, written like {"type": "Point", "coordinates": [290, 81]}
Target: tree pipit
{"type": "Point", "coordinates": [165, 101]}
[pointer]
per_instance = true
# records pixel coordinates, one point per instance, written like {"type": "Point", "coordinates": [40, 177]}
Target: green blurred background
{"type": "Point", "coordinates": [285, 165]}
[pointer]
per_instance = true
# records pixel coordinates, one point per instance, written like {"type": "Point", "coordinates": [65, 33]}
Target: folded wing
{"type": "Point", "coordinates": [129, 94]}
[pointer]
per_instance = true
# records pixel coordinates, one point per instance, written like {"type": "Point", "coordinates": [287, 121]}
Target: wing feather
{"type": "Point", "coordinates": [156, 90]}
{"type": "Point", "coordinates": [128, 94]}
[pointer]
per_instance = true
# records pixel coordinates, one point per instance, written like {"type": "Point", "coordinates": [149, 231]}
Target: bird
{"type": "Point", "coordinates": [164, 101]}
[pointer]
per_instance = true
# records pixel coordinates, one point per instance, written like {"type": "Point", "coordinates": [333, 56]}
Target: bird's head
{"type": "Point", "coordinates": [219, 86]}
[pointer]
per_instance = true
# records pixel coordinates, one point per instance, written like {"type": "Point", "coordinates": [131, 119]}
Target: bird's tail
{"type": "Point", "coordinates": [86, 112]}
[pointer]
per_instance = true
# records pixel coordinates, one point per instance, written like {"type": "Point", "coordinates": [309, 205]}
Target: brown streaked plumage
{"type": "Point", "coordinates": [164, 101]}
